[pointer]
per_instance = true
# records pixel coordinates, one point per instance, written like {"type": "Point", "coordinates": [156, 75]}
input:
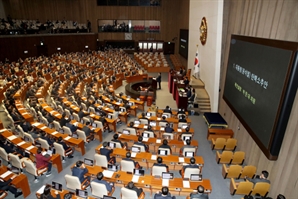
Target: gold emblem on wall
{"type": "Point", "coordinates": [203, 30]}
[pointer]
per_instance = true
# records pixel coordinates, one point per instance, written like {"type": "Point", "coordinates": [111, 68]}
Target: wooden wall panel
{"type": "Point", "coordinates": [173, 15]}
{"type": "Point", "coordinates": [275, 19]}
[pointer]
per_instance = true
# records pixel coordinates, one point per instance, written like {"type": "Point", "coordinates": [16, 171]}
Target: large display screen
{"type": "Point", "coordinates": [183, 43]}
{"type": "Point", "coordinates": [258, 84]}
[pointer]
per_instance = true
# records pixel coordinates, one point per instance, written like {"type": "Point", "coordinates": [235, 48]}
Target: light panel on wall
{"type": "Point", "coordinates": [25, 51]}
{"type": "Point", "coordinates": [86, 46]}
{"type": "Point", "coordinates": [58, 48]}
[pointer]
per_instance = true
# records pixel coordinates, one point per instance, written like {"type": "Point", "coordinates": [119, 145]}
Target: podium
{"type": "Point", "coordinates": [154, 83]}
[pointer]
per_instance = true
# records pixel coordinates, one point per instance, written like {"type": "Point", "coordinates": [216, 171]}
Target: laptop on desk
{"type": "Point", "coordinates": [196, 177]}
{"type": "Point", "coordinates": [162, 152]}
{"type": "Point", "coordinates": [57, 186]}
{"type": "Point", "coordinates": [166, 175]}
{"type": "Point", "coordinates": [126, 132]}
{"type": "Point", "coordinates": [112, 145]}
{"type": "Point", "coordinates": [152, 123]}
{"type": "Point", "coordinates": [108, 197]}
{"type": "Point", "coordinates": [189, 154]}
{"type": "Point", "coordinates": [88, 161]}
{"type": "Point", "coordinates": [139, 172]}
{"type": "Point", "coordinates": [135, 149]}
{"type": "Point", "coordinates": [81, 193]}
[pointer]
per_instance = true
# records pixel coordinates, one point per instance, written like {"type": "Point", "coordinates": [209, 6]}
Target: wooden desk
{"type": "Point", "coordinates": [219, 133]}
{"type": "Point", "coordinates": [61, 193]}
{"type": "Point", "coordinates": [140, 104]}
{"type": "Point", "coordinates": [20, 182]}
{"type": "Point", "coordinates": [55, 159]}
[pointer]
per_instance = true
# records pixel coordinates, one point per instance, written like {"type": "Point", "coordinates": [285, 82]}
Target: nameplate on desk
{"type": "Point", "coordinates": [158, 118]}
{"type": "Point", "coordinates": [52, 112]}
{"type": "Point", "coordinates": [57, 114]}
{"type": "Point", "coordinates": [46, 107]}
{"type": "Point", "coordinates": [36, 124]}
{"type": "Point", "coordinates": [158, 140]}
{"type": "Point", "coordinates": [181, 159]}
{"type": "Point", "coordinates": [44, 127]}
{"type": "Point", "coordinates": [136, 125]}
{"type": "Point", "coordinates": [29, 148]}
{"type": "Point", "coordinates": [145, 139]}
{"type": "Point", "coordinates": [117, 103]}
{"type": "Point", "coordinates": [186, 184]}
{"type": "Point", "coordinates": [179, 130]}
{"type": "Point", "coordinates": [162, 128]}
{"type": "Point", "coordinates": [106, 109]}
{"type": "Point", "coordinates": [107, 173]}
{"type": "Point", "coordinates": [165, 182]}
{"type": "Point", "coordinates": [135, 178]}
{"type": "Point", "coordinates": [12, 137]}
{"type": "Point", "coordinates": [21, 143]}
{"type": "Point", "coordinates": [4, 175]}
{"type": "Point", "coordinates": [145, 127]}
{"type": "Point", "coordinates": [54, 133]}
{"type": "Point", "coordinates": [153, 157]}
{"type": "Point", "coordinates": [67, 138]}
{"type": "Point", "coordinates": [2, 130]}
{"type": "Point", "coordinates": [72, 106]}
{"type": "Point", "coordinates": [21, 109]}
{"type": "Point", "coordinates": [133, 154]}
{"type": "Point", "coordinates": [92, 115]}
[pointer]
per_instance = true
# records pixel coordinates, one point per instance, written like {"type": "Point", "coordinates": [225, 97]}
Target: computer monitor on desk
{"type": "Point", "coordinates": [152, 123]}
{"type": "Point", "coordinates": [166, 175]}
{"type": "Point", "coordinates": [108, 197]}
{"type": "Point", "coordinates": [112, 145]}
{"type": "Point", "coordinates": [137, 122]}
{"type": "Point", "coordinates": [162, 152]}
{"type": "Point", "coordinates": [57, 186]}
{"type": "Point", "coordinates": [139, 172]}
{"type": "Point", "coordinates": [88, 161]}
{"type": "Point", "coordinates": [145, 135]}
{"type": "Point", "coordinates": [81, 193]}
{"type": "Point", "coordinates": [196, 177]}
{"type": "Point", "coordinates": [135, 149]}
{"type": "Point", "coordinates": [126, 132]}
{"type": "Point", "coordinates": [148, 114]}
{"type": "Point", "coordinates": [189, 154]}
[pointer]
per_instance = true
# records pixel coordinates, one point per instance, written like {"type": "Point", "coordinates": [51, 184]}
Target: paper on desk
{"type": "Point", "coordinates": [179, 130]}
{"type": "Point", "coordinates": [92, 115]}
{"type": "Point", "coordinates": [44, 127]}
{"type": "Point", "coordinates": [153, 157]}
{"type": "Point", "coordinates": [158, 118]}
{"type": "Point", "coordinates": [162, 128]}
{"type": "Point", "coordinates": [133, 154]}
{"type": "Point", "coordinates": [12, 137]}
{"type": "Point", "coordinates": [145, 127]}
{"type": "Point", "coordinates": [44, 152]}
{"type": "Point", "coordinates": [158, 140]}
{"type": "Point", "coordinates": [181, 159]}
{"type": "Point", "coordinates": [52, 112]}
{"type": "Point", "coordinates": [145, 139]}
{"type": "Point", "coordinates": [46, 107]}
{"type": "Point", "coordinates": [54, 133]}
{"type": "Point", "coordinates": [165, 182]}
{"type": "Point", "coordinates": [2, 130]}
{"type": "Point", "coordinates": [4, 175]}
{"type": "Point", "coordinates": [76, 123]}
{"type": "Point", "coordinates": [67, 138]}
{"type": "Point", "coordinates": [36, 124]}
{"type": "Point", "coordinates": [136, 125]}
{"type": "Point", "coordinates": [21, 143]}
{"type": "Point", "coordinates": [119, 135]}
{"type": "Point", "coordinates": [186, 184]}
{"type": "Point", "coordinates": [29, 148]}
{"type": "Point", "coordinates": [117, 103]}
{"type": "Point", "coordinates": [40, 191]}
{"type": "Point", "coordinates": [106, 109]}
{"type": "Point", "coordinates": [107, 173]}
{"type": "Point", "coordinates": [135, 178]}
{"type": "Point", "coordinates": [57, 114]}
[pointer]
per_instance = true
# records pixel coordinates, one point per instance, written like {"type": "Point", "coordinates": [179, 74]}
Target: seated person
{"type": "Point", "coordinates": [163, 194]}
{"type": "Point", "coordinates": [191, 165]}
{"type": "Point", "coordinates": [140, 143]}
{"type": "Point", "coordinates": [181, 111]}
{"type": "Point", "coordinates": [80, 170]}
{"type": "Point", "coordinates": [64, 120]}
{"type": "Point", "coordinates": [26, 126]}
{"type": "Point", "coordinates": [105, 124]}
{"type": "Point", "coordinates": [163, 119]}
{"type": "Point", "coordinates": [153, 107]}
{"type": "Point", "coordinates": [186, 81]}
{"type": "Point", "coordinates": [115, 139]}
{"type": "Point", "coordinates": [200, 193]}
{"type": "Point", "coordinates": [128, 158]}
{"type": "Point", "coordinates": [187, 146]}
{"type": "Point", "coordinates": [143, 116]}
{"type": "Point", "coordinates": [106, 151]}
{"type": "Point", "coordinates": [72, 127]}
{"type": "Point", "coordinates": [159, 163]}
{"type": "Point", "coordinates": [43, 161]}
{"type": "Point", "coordinates": [5, 186]}
{"type": "Point", "coordinates": [182, 119]}
{"type": "Point", "coordinates": [167, 110]}
{"type": "Point", "coordinates": [165, 145]}
{"type": "Point", "coordinates": [132, 186]}
{"type": "Point", "coordinates": [168, 129]}
{"type": "Point", "coordinates": [65, 146]}
{"type": "Point", "coordinates": [262, 178]}
{"type": "Point", "coordinates": [82, 114]}
{"type": "Point", "coordinates": [46, 137]}
{"type": "Point", "coordinates": [88, 131]}
{"type": "Point", "coordinates": [99, 179]}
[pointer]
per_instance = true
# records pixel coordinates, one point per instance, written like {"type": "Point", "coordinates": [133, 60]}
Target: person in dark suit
{"type": "Point", "coordinates": [132, 186]}
{"type": "Point", "coordinates": [45, 136]}
{"type": "Point", "coordinates": [191, 165]}
{"type": "Point", "coordinates": [81, 114]}
{"type": "Point", "coordinates": [169, 129]}
{"type": "Point", "coordinates": [158, 79]}
{"type": "Point", "coordinates": [128, 158]}
{"type": "Point", "coordinates": [163, 119]}
{"type": "Point", "coordinates": [262, 178]}
{"type": "Point", "coordinates": [182, 119]}
{"type": "Point", "coordinates": [160, 164]}
{"type": "Point", "coordinates": [187, 146]}
{"type": "Point", "coordinates": [5, 186]}
{"type": "Point", "coordinates": [164, 194]}
{"type": "Point", "coordinates": [140, 143]}
{"type": "Point", "coordinates": [80, 170]}
{"type": "Point", "coordinates": [167, 110]}
{"type": "Point", "coordinates": [99, 179]}
{"type": "Point", "coordinates": [106, 151]}
{"type": "Point", "coordinates": [192, 97]}
{"type": "Point", "coordinates": [115, 139]}
{"type": "Point", "coordinates": [200, 194]}
{"type": "Point", "coordinates": [72, 127]}
{"type": "Point", "coordinates": [47, 193]}
{"type": "Point", "coordinates": [186, 81]}
{"type": "Point", "coordinates": [87, 130]}
{"type": "Point", "coordinates": [164, 145]}
{"type": "Point", "coordinates": [63, 120]}
{"type": "Point", "coordinates": [65, 146]}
